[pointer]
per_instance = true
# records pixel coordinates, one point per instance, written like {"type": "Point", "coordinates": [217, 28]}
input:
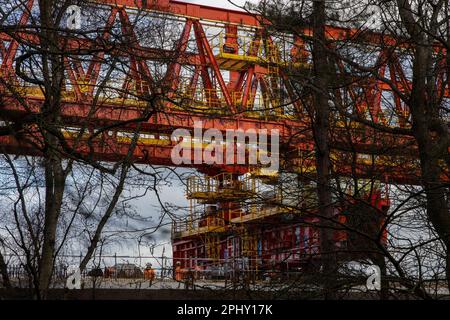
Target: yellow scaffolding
{"type": "Point", "coordinates": [222, 187]}
{"type": "Point", "coordinates": [250, 51]}
{"type": "Point", "coordinates": [249, 243]}
{"type": "Point", "coordinates": [202, 219]}
{"type": "Point", "coordinates": [266, 175]}
{"type": "Point", "coordinates": [212, 247]}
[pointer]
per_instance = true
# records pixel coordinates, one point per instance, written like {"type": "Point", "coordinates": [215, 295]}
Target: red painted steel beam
{"type": "Point", "coordinates": [243, 18]}
{"type": "Point", "coordinates": [110, 149]}
{"type": "Point", "coordinates": [117, 49]}
{"type": "Point", "coordinates": [363, 139]}
{"type": "Point", "coordinates": [113, 151]}
{"type": "Point", "coordinates": [173, 71]}
{"type": "Point", "coordinates": [198, 11]}
{"type": "Point", "coordinates": [200, 33]}
{"type": "Point", "coordinates": [78, 112]}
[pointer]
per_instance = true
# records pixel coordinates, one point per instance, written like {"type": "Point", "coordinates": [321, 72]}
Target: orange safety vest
{"type": "Point", "coordinates": [178, 274]}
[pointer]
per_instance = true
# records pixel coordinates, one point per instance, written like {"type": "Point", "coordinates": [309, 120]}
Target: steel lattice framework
{"type": "Point", "coordinates": [234, 77]}
{"type": "Point", "coordinates": [259, 68]}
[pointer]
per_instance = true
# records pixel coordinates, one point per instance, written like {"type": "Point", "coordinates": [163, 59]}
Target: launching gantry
{"type": "Point", "coordinates": [227, 72]}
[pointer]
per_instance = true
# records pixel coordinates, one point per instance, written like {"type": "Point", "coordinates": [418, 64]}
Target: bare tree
{"type": "Point", "coordinates": [356, 68]}
{"type": "Point", "coordinates": [58, 80]}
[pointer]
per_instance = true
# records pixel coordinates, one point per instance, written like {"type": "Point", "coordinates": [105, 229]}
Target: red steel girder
{"type": "Point", "coordinates": [362, 139]}
{"type": "Point", "coordinates": [78, 111]}
{"type": "Point", "coordinates": [191, 10]}
{"type": "Point", "coordinates": [109, 149]}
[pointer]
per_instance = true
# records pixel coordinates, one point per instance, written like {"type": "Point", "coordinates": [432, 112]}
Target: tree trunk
{"type": "Point", "coordinates": [54, 183]}
{"type": "Point", "coordinates": [4, 272]}
{"type": "Point", "coordinates": [55, 176]}
{"type": "Point", "coordinates": [424, 113]}
{"type": "Point", "coordinates": [429, 129]}
{"type": "Point", "coordinates": [321, 126]}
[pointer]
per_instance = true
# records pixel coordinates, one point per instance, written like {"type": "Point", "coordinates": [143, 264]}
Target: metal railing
{"type": "Point", "coordinates": [221, 184]}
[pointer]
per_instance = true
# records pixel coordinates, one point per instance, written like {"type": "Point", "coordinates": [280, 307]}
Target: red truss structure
{"type": "Point", "coordinates": [225, 71]}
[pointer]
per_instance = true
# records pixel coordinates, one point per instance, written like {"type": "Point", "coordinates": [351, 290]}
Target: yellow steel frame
{"type": "Point", "coordinates": [212, 246]}
{"type": "Point", "coordinates": [222, 187]}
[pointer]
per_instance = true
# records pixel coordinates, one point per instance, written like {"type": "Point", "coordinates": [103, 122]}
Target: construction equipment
{"type": "Point", "coordinates": [239, 83]}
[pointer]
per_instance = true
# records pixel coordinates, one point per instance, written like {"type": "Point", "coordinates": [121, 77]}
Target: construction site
{"type": "Point", "coordinates": [228, 70]}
